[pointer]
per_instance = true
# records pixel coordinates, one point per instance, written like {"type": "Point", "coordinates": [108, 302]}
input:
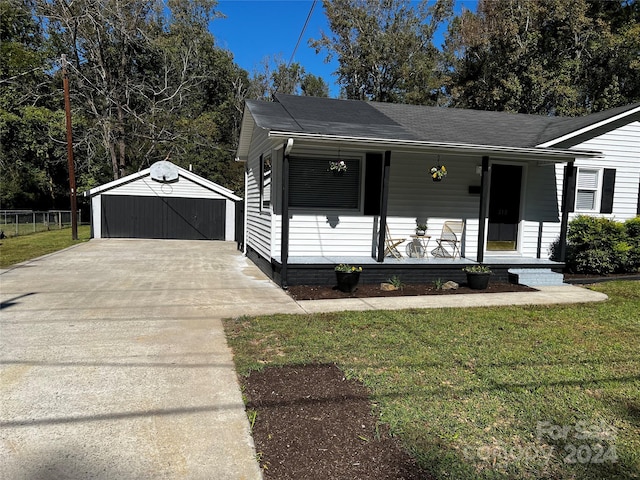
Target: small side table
{"type": "Point", "coordinates": [418, 246]}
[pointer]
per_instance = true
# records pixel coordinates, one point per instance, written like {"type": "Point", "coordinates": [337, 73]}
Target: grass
{"type": "Point", "coordinates": [22, 248]}
{"type": "Point", "coordinates": [519, 392]}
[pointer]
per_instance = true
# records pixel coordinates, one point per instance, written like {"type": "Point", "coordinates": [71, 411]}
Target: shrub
{"type": "Point", "coordinates": [598, 245]}
{"type": "Point", "coordinates": [632, 228]}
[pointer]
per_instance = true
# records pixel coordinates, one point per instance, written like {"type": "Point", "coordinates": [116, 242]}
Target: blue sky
{"type": "Point", "coordinates": [255, 29]}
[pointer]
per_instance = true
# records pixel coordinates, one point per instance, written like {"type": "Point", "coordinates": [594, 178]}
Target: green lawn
{"type": "Point", "coordinates": [518, 392]}
{"type": "Point", "coordinates": [25, 247]}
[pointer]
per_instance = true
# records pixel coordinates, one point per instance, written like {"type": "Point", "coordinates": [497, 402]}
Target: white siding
{"type": "Point", "coordinates": [258, 224]}
{"type": "Point", "coordinates": [621, 148]}
{"type": "Point", "coordinates": [412, 195]}
{"type": "Point", "coordinates": [621, 151]}
{"type": "Point", "coordinates": [144, 186]}
{"type": "Point", "coordinates": [96, 216]}
{"type": "Point", "coordinates": [316, 233]}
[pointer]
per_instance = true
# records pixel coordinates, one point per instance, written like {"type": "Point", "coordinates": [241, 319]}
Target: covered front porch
{"type": "Point", "coordinates": [528, 216]}
{"type": "Point", "coordinates": [320, 270]}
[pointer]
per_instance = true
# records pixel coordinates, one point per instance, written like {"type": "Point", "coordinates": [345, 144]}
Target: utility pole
{"type": "Point", "coordinates": [72, 172]}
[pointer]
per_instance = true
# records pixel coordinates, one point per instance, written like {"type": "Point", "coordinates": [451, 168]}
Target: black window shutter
{"type": "Point", "coordinates": [608, 183]}
{"type": "Point", "coordinates": [571, 190]}
{"type": "Point", "coordinates": [373, 184]}
{"type": "Point", "coordinates": [259, 180]}
{"type": "Point", "coordinates": [638, 207]}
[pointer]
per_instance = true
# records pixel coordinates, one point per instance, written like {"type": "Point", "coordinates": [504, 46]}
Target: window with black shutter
{"type": "Point", "coordinates": [265, 182]}
{"type": "Point", "coordinates": [313, 185]}
{"type": "Point", "coordinates": [608, 186]}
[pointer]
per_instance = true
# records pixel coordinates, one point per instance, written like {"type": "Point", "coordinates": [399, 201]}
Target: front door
{"type": "Point", "coordinates": [504, 207]}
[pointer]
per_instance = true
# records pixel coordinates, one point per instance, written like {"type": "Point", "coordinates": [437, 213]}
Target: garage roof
{"type": "Point", "coordinates": [225, 192]}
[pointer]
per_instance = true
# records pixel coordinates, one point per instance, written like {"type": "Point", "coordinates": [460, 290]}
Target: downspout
{"type": "Point", "coordinates": [568, 196]}
{"type": "Point", "coordinates": [284, 241]}
{"type": "Point", "coordinates": [484, 202]}
{"type": "Point", "coordinates": [384, 202]}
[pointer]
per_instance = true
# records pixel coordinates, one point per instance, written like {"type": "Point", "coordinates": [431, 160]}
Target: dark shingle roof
{"type": "Point", "coordinates": [456, 125]}
{"type": "Point", "coordinates": [352, 118]}
{"type": "Point", "coordinates": [272, 116]}
{"type": "Point", "coordinates": [330, 116]}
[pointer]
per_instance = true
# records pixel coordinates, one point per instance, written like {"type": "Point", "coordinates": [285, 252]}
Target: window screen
{"type": "Point", "coordinates": [587, 189]}
{"type": "Point", "coordinates": [265, 187]}
{"type": "Point", "coordinates": [313, 185]}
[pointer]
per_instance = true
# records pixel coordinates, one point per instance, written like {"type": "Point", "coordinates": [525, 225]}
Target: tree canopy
{"type": "Point", "coordinates": [551, 57]}
{"type": "Point", "coordinates": [149, 83]}
{"type": "Point", "coordinates": [385, 48]}
{"type": "Point", "coordinates": [276, 76]}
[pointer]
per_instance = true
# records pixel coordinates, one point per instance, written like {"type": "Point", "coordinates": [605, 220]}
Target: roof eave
{"type": "Point", "coordinates": [208, 184]}
{"type": "Point", "coordinates": [557, 155]}
{"type": "Point", "coordinates": [589, 128]}
{"type": "Point", "coordinates": [246, 134]}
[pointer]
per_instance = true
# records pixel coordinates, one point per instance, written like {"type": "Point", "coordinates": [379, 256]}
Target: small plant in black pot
{"type": "Point", "coordinates": [477, 276]}
{"type": "Point", "coordinates": [347, 277]}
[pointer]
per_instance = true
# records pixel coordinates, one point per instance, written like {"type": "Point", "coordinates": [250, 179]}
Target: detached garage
{"type": "Point", "coordinates": [163, 201]}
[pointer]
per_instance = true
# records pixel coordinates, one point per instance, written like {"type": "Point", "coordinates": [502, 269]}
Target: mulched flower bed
{"type": "Point", "coordinates": [310, 292]}
{"type": "Point", "coordinates": [314, 424]}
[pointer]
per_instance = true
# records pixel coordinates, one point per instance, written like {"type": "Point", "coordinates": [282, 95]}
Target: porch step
{"type": "Point", "coordinates": [535, 277]}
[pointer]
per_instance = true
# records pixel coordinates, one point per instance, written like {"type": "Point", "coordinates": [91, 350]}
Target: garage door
{"type": "Point", "coordinates": [162, 217]}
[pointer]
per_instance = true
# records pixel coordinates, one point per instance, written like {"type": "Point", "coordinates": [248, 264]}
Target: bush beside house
{"type": "Point", "coordinates": [601, 246]}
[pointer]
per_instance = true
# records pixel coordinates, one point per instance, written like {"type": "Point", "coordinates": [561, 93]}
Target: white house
{"type": "Point", "coordinates": [505, 180]}
{"type": "Point", "coordinates": [163, 201]}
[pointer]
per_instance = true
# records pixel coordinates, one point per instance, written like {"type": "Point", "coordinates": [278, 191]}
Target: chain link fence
{"type": "Point", "coordinates": [24, 222]}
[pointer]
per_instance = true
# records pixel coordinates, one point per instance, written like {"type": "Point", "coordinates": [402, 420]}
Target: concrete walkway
{"type": "Point", "coordinates": [544, 296]}
{"type": "Point", "coordinates": [114, 363]}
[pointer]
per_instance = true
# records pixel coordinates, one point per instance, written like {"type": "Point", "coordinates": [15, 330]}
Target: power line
{"type": "Point", "coordinates": [302, 32]}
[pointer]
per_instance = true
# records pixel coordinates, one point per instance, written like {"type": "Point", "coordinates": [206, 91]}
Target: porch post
{"type": "Point", "coordinates": [568, 196]}
{"type": "Point", "coordinates": [384, 201]}
{"type": "Point", "coordinates": [482, 214]}
{"type": "Point", "coordinates": [284, 241]}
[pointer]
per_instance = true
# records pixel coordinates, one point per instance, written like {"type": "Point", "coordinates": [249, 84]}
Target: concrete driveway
{"type": "Point", "coordinates": [115, 366]}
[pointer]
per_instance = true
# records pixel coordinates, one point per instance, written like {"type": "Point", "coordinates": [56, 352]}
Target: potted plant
{"type": "Point", "coordinates": [338, 167]}
{"type": "Point", "coordinates": [477, 276]}
{"type": "Point", "coordinates": [347, 277]}
{"type": "Point", "coordinates": [421, 228]}
{"type": "Point", "coordinates": [438, 173]}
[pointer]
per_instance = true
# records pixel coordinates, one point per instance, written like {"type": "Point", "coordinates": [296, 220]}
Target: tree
{"type": "Point", "coordinates": [143, 74]}
{"type": "Point", "coordinates": [312, 86]}
{"type": "Point", "coordinates": [278, 77]}
{"type": "Point", "coordinates": [562, 57]}
{"type": "Point", "coordinates": [385, 48]}
{"type": "Point", "coordinates": [33, 170]}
